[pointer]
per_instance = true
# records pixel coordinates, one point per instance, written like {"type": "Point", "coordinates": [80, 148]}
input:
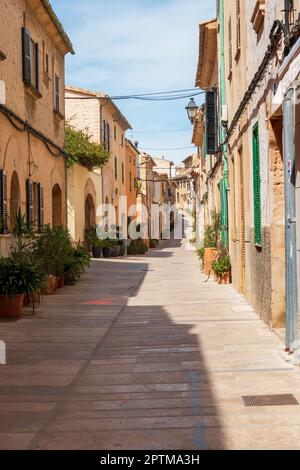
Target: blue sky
{"type": "Point", "coordinates": [136, 46]}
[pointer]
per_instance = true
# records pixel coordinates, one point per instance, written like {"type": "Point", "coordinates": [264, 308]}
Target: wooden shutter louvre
{"type": "Point", "coordinates": [26, 56]}
{"type": "Point", "coordinates": [37, 68]}
{"type": "Point", "coordinates": [29, 202]}
{"type": "Point", "coordinates": [104, 134]}
{"type": "Point", "coordinates": [108, 136]}
{"type": "Point", "coordinates": [57, 93]}
{"type": "Point", "coordinates": [3, 203]}
{"type": "Point", "coordinates": [211, 122]}
{"type": "Point", "coordinates": [238, 25]}
{"type": "Point", "coordinates": [41, 205]}
{"type": "Point", "coordinates": [229, 48]}
{"type": "Point", "coordinates": [257, 188]}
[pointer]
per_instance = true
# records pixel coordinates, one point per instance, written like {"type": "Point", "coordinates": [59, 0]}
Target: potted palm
{"type": "Point", "coordinates": [106, 248]}
{"type": "Point", "coordinates": [18, 277]}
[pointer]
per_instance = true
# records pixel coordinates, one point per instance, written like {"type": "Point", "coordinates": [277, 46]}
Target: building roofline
{"type": "Point", "coordinates": [58, 25]}
{"type": "Point", "coordinates": [131, 144]}
{"type": "Point", "coordinates": [100, 95]}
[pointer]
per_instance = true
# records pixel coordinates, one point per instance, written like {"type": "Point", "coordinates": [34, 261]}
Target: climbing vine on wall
{"type": "Point", "coordinates": [80, 149]}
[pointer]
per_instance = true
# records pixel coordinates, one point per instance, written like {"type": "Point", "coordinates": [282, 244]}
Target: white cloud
{"type": "Point", "coordinates": [130, 46]}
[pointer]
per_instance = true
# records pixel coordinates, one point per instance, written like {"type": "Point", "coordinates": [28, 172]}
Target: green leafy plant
{"type": "Point", "coordinates": [137, 247]}
{"type": "Point", "coordinates": [221, 266]}
{"type": "Point", "coordinates": [20, 275]}
{"type": "Point", "coordinates": [201, 252]}
{"type": "Point", "coordinates": [81, 149]}
{"type": "Point", "coordinates": [154, 243]}
{"type": "Point", "coordinates": [53, 247]}
{"type": "Point", "coordinates": [212, 231]}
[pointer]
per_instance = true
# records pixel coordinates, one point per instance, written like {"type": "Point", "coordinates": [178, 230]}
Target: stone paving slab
{"type": "Point", "coordinates": [144, 354]}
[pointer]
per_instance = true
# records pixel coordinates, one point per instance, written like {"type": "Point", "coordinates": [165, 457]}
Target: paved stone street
{"type": "Point", "coordinates": [143, 354]}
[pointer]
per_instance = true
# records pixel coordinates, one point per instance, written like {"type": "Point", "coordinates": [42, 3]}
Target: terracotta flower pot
{"type": "Point", "coordinates": [209, 257]}
{"type": "Point", "coordinates": [11, 307]}
{"type": "Point", "coordinates": [34, 299]}
{"type": "Point", "coordinates": [60, 282]}
{"type": "Point", "coordinates": [51, 286]}
{"type": "Point", "coordinates": [225, 279]}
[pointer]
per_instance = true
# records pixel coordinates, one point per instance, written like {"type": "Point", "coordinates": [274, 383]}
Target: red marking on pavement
{"type": "Point", "coordinates": [98, 302]}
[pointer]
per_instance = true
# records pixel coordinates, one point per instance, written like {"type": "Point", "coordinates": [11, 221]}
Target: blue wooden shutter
{"type": "Point", "coordinates": [3, 203]}
{"type": "Point", "coordinates": [256, 188]}
{"type": "Point", "coordinates": [26, 56]}
{"type": "Point", "coordinates": [211, 122]}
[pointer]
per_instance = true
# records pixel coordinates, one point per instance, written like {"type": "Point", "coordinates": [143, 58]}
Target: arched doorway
{"type": "Point", "coordinates": [15, 199]}
{"type": "Point", "coordinates": [90, 212]}
{"type": "Point", "coordinates": [56, 206]}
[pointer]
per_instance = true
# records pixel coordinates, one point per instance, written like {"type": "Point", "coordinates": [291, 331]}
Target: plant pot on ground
{"type": "Point", "coordinates": [19, 276]}
{"type": "Point", "coordinates": [60, 282]}
{"type": "Point", "coordinates": [222, 268]}
{"type": "Point", "coordinates": [210, 255]}
{"type": "Point", "coordinates": [50, 285]}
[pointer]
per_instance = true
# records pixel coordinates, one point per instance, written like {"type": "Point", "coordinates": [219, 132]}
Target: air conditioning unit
{"type": "Point", "coordinates": [224, 114]}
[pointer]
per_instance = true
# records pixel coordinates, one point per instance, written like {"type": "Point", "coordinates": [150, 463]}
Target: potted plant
{"type": "Point", "coordinates": [222, 269]}
{"type": "Point", "coordinates": [52, 247]}
{"type": "Point", "coordinates": [211, 240]}
{"type": "Point", "coordinates": [93, 242]}
{"type": "Point", "coordinates": [18, 277]}
{"type": "Point", "coordinates": [122, 248]}
{"type": "Point", "coordinates": [106, 248]}
{"type": "Point", "coordinates": [76, 262]}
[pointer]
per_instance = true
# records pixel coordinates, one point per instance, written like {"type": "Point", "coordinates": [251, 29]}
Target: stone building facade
{"type": "Point", "coordinates": [97, 115]}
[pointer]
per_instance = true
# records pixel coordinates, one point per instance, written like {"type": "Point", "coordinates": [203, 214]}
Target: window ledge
{"type": "Point", "coordinates": [32, 91]}
{"type": "Point", "coordinates": [58, 115]}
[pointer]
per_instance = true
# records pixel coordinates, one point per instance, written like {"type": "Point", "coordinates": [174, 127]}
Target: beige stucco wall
{"type": "Point", "coordinates": [20, 153]}
{"type": "Point", "coordinates": [81, 184]}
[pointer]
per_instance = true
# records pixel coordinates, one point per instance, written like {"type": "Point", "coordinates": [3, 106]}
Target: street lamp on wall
{"type": "Point", "coordinates": [192, 109]}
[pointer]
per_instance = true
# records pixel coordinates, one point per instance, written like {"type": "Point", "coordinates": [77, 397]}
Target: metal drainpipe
{"type": "Point", "coordinates": [290, 216]}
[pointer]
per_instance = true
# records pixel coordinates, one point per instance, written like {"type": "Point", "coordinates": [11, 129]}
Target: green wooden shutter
{"type": "Point", "coordinates": [26, 56]}
{"type": "Point", "coordinates": [3, 203]}
{"type": "Point", "coordinates": [256, 188]}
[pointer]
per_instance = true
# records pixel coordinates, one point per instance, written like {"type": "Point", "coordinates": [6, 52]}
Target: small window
{"type": "Point", "coordinates": [30, 52]}
{"type": "Point", "coordinates": [47, 64]}
{"type": "Point", "coordinates": [122, 140]}
{"type": "Point", "coordinates": [238, 29]}
{"type": "Point", "coordinates": [57, 93]}
{"type": "Point", "coordinates": [130, 182]}
{"type": "Point", "coordinates": [258, 16]}
{"type": "Point", "coordinates": [229, 48]}
{"type": "Point", "coordinates": [116, 168]}
{"type": "Point", "coordinates": [115, 133]}
{"type": "Point", "coordinates": [123, 173]}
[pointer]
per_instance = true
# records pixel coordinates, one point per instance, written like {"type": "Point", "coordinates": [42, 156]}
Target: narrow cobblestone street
{"type": "Point", "coordinates": [144, 354]}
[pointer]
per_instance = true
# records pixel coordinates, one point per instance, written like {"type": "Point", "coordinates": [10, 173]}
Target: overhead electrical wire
{"type": "Point", "coordinates": [176, 148]}
{"type": "Point", "coordinates": [156, 96]}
